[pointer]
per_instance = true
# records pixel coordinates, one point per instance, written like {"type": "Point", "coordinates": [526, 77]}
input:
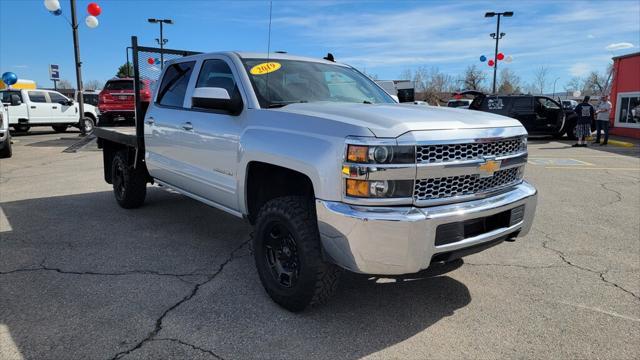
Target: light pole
{"type": "Point", "coordinates": [497, 35]}
{"type": "Point", "coordinates": [76, 51]}
{"type": "Point", "coordinates": [554, 86]}
{"type": "Point", "coordinates": [162, 40]}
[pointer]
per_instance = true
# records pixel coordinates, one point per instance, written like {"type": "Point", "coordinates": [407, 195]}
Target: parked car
{"type": "Point", "coordinates": [333, 173]}
{"type": "Point", "coordinates": [459, 103]}
{"type": "Point", "coordinates": [116, 101]}
{"type": "Point", "coordinates": [540, 115]}
{"type": "Point", "coordinates": [569, 104]}
{"type": "Point", "coordinates": [5, 136]}
{"type": "Point", "coordinates": [40, 107]}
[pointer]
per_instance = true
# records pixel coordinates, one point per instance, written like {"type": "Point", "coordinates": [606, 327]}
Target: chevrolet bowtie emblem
{"type": "Point", "coordinates": [489, 167]}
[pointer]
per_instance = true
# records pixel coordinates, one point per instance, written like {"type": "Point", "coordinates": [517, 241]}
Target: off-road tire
{"type": "Point", "coordinates": [129, 184]}
{"type": "Point", "coordinates": [6, 152]}
{"type": "Point", "coordinates": [60, 128]}
{"type": "Point", "coordinates": [317, 280]}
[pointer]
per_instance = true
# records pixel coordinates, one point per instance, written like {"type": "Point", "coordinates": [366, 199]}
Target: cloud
{"type": "Point", "coordinates": [619, 46]}
{"type": "Point", "coordinates": [579, 69]}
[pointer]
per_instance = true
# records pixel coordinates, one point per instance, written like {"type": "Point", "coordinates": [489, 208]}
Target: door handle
{"type": "Point", "coordinates": [187, 126]}
{"type": "Point", "coordinates": [54, 107]}
{"type": "Point", "coordinates": [33, 107]}
{"type": "Point", "coordinates": [150, 121]}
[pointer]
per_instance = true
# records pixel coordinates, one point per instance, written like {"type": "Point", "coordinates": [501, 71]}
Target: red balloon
{"type": "Point", "coordinates": [94, 9]}
{"type": "Point", "coordinates": [150, 61]}
{"type": "Point", "coordinates": [490, 62]}
{"type": "Point", "coordinates": [500, 56]}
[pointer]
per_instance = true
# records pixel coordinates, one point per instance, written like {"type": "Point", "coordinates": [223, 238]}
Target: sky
{"type": "Point", "coordinates": [569, 38]}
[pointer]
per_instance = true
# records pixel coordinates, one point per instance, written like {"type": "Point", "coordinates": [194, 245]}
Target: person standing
{"type": "Point", "coordinates": [602, 119]}
{"type": "Point", "coordinates": [586, 115]}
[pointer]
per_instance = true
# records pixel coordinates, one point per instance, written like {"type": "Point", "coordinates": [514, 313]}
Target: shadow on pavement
{"type": "Point", "coordinates": [82, 278]}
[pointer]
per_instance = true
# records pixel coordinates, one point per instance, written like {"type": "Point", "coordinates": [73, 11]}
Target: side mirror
{"type": "Point", "coordinates": [15, 100]}
{"type": "Point", "coordinates": [214, 98]}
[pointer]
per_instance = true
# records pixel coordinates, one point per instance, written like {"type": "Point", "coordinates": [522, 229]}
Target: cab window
{"type": "Point", "coordinates": [174, 84]}
{"type": "Point", "coordinates": [6, 96]}
{"type": "Point", "coordinates": [217, 73]}
{"type": "Point", "coordinates": [37, 96]}
{"type": "Point", "coordinates": [56, 98]}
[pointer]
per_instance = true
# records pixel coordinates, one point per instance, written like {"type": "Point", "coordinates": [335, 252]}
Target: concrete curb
{"type": "Point", "coordinates": [620, 143]}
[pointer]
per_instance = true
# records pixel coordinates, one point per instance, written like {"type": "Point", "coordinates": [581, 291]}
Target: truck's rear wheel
{"type": "Point", "coordinates": [6, 151]}
{"type": "Point", "coordinates": [288, 254]}
{"type": "Point", "coordinates": [129, 184]}
{"type": "Point", "coordinates": [21, 128]}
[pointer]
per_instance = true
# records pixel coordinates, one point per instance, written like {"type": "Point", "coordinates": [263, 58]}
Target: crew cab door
{"type": "Point", "coordinates": [40, 108]}
{"type": "Point", "coordinates": [62, 111]}
{"type": "Point", "coordinates": [212, 136]}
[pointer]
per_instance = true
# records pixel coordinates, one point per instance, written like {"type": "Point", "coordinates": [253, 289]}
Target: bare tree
{"type": "Point", "coordinates": [93, 85]}
{"type": "Point", "coordinates": [474, 78]}
{"type": "Point", "coordinates": [597, 83]}
{"type": "Point", "coordinates": [371, 76]}
{"type": "Point", "coordinates": [509, 82]}
{"type": "Point", "coordinates": [406, 74]}
{"type": "Point", "coordinates": [540, 79]}
{"type": "Point", "coordinates": [575, 83]}
{"type": "Point", "coordinates": [64, 84]}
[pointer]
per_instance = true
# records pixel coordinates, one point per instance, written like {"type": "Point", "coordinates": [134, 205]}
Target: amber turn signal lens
{"type": "Point", "coordinates": [357, 188]}
{"type": "Point", "coordinates": [358, 154]}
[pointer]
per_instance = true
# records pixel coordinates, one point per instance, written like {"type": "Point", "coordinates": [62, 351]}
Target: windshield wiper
{"type": "Point", "coordinates": [282, 104]}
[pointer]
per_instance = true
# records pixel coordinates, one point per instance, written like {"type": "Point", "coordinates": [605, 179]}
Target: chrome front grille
{"type": "Point", "coordinates": [442, 153]}
{"type": "Point", "coordinates": [447, 187]}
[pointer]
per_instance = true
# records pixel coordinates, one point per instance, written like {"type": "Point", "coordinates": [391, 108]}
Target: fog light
{"type": "Point", "coordinates": [379, 188]}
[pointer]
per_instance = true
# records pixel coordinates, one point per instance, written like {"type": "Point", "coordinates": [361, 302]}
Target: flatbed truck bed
{"type": "Point", "coordinates": [125, 135]}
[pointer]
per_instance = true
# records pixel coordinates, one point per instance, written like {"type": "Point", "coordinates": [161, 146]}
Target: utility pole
{"type": "Point", "coordinates": [161, 40]}
{"type": "Point", "coordinates": [497, 35]}
{"type": "Point", "coordinates": [76, 49]}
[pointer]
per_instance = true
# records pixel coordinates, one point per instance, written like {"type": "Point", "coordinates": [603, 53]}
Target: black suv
{"type": "Point", "coordinates": [540, 115]}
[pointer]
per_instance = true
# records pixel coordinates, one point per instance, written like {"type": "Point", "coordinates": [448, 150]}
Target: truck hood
{"type": "Point", "coordinates": [393, 120]}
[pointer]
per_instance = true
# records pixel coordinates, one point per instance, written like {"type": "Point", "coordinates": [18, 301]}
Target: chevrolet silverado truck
{"type": "Point", "coordinates": [40, 107]}
{"type": "Point", "coordinates": [331, 171]}
{"type": "Point", "coordinates": [5, 136]}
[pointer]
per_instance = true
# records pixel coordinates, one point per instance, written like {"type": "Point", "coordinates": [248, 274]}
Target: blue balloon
{"type": "Point", "coordinates": [483, 58]}
{"type": "Point", "coordinates": [9, 78]}
{"type": "Point", "coordinates": [57, 12]}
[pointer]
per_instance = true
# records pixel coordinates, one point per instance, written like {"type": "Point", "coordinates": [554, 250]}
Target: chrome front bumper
{"type": "Point", "coordinates": [401, 240]}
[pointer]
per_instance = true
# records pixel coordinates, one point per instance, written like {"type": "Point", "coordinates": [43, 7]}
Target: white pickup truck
{"type": "Point", "coordinates": [5, 136]}
{"type": "Point", "coordinates": [40, 107]}
{"type": "Point", "coordinates": [333, 173]}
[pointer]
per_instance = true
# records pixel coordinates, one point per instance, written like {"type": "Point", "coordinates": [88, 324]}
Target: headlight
{"type": "Point", "coordinates": [381, 154]}
{"type": "Point", "coordinates": [379, 188]}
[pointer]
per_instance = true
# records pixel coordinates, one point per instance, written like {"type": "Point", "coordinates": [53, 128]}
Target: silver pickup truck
{"type": "Point", "coordinates": [332, 172]}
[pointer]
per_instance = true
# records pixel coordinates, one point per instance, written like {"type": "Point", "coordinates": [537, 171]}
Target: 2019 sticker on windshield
{"type": "Point", "coordinates": [265, 68]}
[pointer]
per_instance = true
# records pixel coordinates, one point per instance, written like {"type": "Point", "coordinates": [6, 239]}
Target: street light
{"type": "Point", "coordinates": [162, 41]}
{"type": "Point", "coordinates": [497, 35]}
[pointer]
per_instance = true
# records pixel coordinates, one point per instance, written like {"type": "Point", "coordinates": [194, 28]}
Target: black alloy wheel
{"type": "Point", "coordinates": [281, 254]}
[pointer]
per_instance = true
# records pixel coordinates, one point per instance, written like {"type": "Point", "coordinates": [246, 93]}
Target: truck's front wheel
{"type": "Point", "coordinates": [129, 184]}
{"type": "Point", "coordinates": [288, 255]}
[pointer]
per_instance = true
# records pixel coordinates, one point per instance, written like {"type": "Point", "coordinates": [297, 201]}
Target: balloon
{"type": "Point", "coordinates": [490, 63]}
{"type": "Point", "coordinates": [9, 78]}
{"type": "Point", "coordinates": [94, 9]}
{"type": "Point", "coordinates": [91, 21]}
{"type": "Point", "coordinates": [508, 59]}
{"type": "Point", "coordinates": [483, 58]}
{"type": "Point", "coordinates": [57, 12]}
{"type": "Point", "coordinates": [52, 5]}
{"type": "Point", "coordinates": [151, 61]}
{"type": "Point", "coordinates": [500, 56]}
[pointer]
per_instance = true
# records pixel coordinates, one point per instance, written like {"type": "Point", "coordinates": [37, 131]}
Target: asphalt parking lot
{"type": "Point", "coordinates": [81, 278]}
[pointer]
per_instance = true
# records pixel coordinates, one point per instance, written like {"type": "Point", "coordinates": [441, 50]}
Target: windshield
{"type": "Point", "coordinates": [281, 82]}
{"type": "Point", "coordinates": [546, 102]}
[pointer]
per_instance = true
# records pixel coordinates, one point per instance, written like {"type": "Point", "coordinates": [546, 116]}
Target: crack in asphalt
{"type": "Point", "coordinates": [43, 267]}
{"type": "Point", "coordinates": [158, 326]}
{"type": "Point", "coordinates": [617, 193]}
{"type": "Point", "coordinates": [191, 346]}
{"type": "Point", "coordinates": [563, 256]}
{"type": "Point", "coordinates": [516, 265]}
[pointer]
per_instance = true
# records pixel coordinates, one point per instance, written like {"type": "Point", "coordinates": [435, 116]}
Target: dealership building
{"type": "Point", "coordinates": [625, 96]}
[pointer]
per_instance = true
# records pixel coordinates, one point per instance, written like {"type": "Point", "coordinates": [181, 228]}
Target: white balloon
{"type": "Point", "coordinates": [508, 59]}
{"type": "Point", "coordinates": [52, 5]}
{"type": "Point", "coordinates": [91, 21]}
